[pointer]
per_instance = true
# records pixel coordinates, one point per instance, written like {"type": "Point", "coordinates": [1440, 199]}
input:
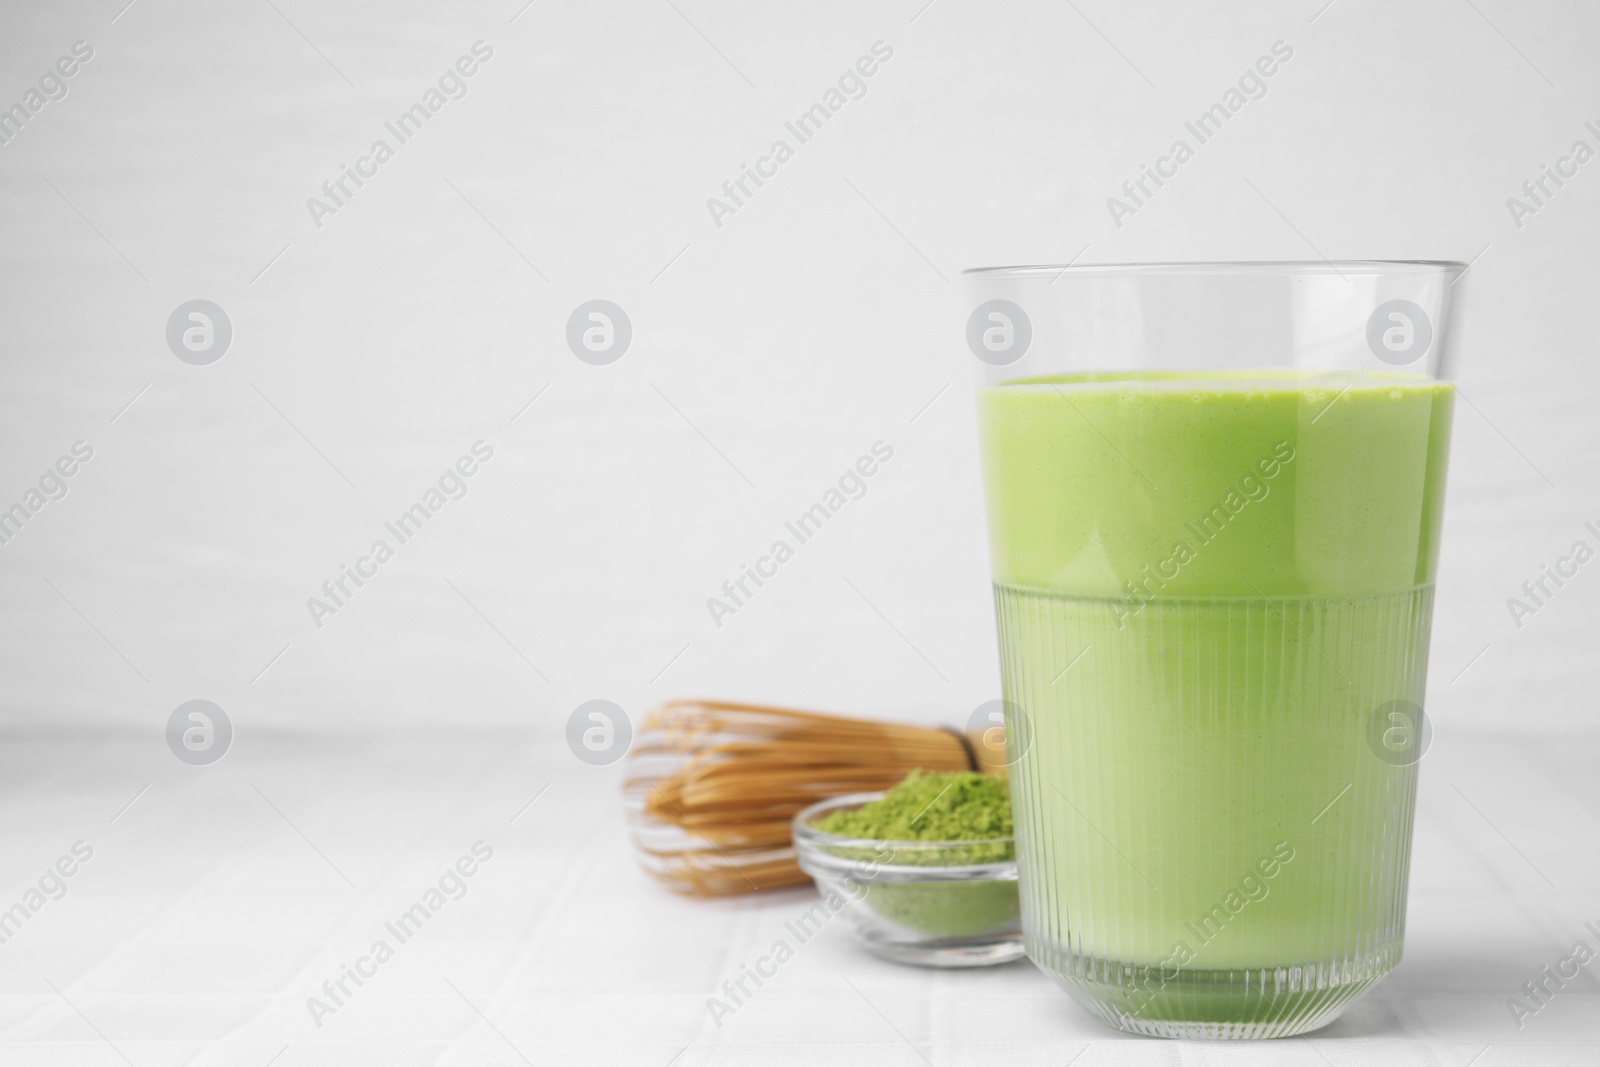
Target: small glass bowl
{"type": "Point", "coordinates": [933, 903]}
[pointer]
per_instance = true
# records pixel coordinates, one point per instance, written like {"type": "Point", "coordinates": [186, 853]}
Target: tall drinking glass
{"type": "Point", "coordinates": [1214, 495]}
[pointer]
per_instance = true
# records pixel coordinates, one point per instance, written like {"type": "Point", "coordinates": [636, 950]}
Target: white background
{"type": "Point", "coordinates": [768, 354]}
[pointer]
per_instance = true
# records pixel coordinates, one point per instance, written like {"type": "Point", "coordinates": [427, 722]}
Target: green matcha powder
{"type": "Point", "coordinates": [935, 807]}
{"type": "Point", "coordinates": [938, 808]}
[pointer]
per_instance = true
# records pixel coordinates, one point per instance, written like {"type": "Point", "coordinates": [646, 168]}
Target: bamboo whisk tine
{"type": "Point", "coordinates": [712, 786]}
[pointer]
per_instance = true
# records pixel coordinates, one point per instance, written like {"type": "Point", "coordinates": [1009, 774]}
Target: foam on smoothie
{"type": "Point", "coordinates": [1091, 478]}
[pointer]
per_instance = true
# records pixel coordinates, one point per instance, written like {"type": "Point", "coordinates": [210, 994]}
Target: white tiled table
{"type": "Point", "coordinates": [224, 896]}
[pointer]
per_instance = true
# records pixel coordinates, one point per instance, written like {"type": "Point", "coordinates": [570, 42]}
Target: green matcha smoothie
{"type": "Point", "coordinates": [1207, 588]}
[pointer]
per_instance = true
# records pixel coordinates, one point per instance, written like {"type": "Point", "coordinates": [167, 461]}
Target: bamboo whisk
{"type": "Point", "coordinates": [712, 786]}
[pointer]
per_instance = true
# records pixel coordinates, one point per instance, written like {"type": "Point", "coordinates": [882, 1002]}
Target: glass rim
{"type": "Point", "coordinates": [1227, 267]}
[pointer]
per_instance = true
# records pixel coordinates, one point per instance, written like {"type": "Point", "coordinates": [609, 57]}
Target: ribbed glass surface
{"type": "Point", "coordinates": [1213, 841]}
